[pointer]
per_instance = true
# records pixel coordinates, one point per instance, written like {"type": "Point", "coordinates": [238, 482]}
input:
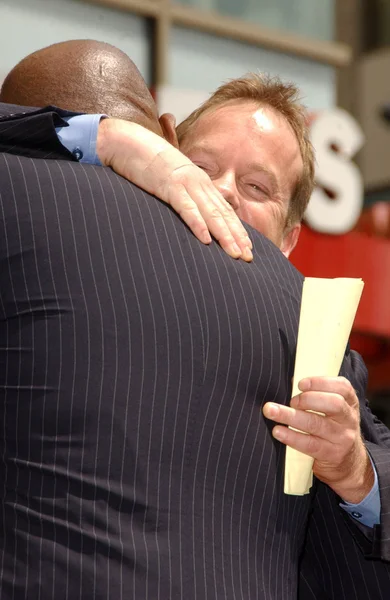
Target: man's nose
{"type": "Point", "coordinates": [226, 185]}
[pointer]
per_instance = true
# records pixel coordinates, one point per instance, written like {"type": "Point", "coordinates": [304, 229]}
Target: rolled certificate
{"type": "Point", "coordinates": [327, 313]}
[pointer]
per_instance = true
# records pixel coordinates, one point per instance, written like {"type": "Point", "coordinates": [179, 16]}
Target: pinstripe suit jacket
{"type": "Point", "coordinates": [341, 561]}
{"type": "Point", "coordinates": [134, 362]}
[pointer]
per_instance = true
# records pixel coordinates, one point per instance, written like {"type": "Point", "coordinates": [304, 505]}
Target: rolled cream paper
{"type": "Point", "coordinates": [328, 310]}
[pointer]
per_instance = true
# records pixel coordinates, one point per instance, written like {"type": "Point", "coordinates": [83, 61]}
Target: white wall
{"type": "Point", "coordinates": [27, 25]}
{"type": "Point", "coordinates": [201, 62]}
{"type": "Point", "coordinates": [198, 62]}
{"type": "Point", "coordinates": [311, 18]}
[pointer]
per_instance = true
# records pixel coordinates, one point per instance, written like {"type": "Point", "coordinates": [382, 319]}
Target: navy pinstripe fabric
{"type": "Point", "coordinates": [340, 561]}
{"type": "Point", "coordinates": [31, 132]}
{"type": "Point", "coordinates": [134, 361]}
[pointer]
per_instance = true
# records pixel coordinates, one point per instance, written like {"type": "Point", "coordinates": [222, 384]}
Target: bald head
{"type": "Point", "coordinates": [83, 76]}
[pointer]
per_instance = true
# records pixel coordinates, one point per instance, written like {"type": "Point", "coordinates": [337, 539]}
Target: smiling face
{"type": "Point", "coordinates": [253, 158]}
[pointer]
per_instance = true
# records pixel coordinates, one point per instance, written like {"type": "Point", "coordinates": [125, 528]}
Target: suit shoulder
{"type": "Point", "coordinates": [13, 110]}
{"type": "Point", "coordinates": [281, 270]}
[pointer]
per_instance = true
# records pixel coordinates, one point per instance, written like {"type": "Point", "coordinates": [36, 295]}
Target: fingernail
{"type": "Point", "coordinates": [247, 254]}
{"type": "Point", "coordinates": [279, 433]}
{"type": "Point", "coordinates": [271, 410]}
{"type": "Point", "coordinates": [249, 243]}
{"type": "Point", "coordinates": [206, 238]}
{"type": "Point", "coordinates": [236, 249]}
{"type": "Point", "coordinates": [304, 385]}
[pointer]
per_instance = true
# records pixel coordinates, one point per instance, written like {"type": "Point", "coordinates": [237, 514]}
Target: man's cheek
{"type": "Point", "coordinates": [254, 216]}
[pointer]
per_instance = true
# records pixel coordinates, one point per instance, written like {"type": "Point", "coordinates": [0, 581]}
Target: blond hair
{"type": "Point", "coordinates": [283, 98]}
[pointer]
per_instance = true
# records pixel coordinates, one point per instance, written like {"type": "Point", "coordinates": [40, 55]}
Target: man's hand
{"type": "Point", "coordinates": [156, 166]}
{"type": "Point", "coordinates": [332, 438]}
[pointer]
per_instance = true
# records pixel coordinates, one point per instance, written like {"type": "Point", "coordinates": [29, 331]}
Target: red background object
{"type": "Point", "coordinates": [356, 254]}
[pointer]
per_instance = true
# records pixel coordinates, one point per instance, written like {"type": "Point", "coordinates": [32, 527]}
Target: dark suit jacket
{"type": "Point", "coordinates": [134, 362]}
{"type": "Point", "coordinates": [341, 561]}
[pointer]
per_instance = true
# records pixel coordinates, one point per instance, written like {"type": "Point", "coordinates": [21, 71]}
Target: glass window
{"type": "Point", "coordinates": [200, 62]}
{"type": "Point", "coordinates": [312, 18]}
{"type": "Point", "coordinates": [27, 25]}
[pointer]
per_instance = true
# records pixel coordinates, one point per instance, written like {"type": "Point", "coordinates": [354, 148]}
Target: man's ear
{"type": "Point", "coordinates": [168, 125]}
{"type": "Point", "coordinates": [290, 239]}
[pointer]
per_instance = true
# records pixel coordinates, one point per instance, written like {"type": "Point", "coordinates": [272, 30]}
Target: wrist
{"type": "Point", "coordinates": [129, 149]}
{"type": "Point", "coordinates": [138, 154]}
{"type": "Point", "coordinates": [104, 142]}
{"type": "Point", "coordinates": [158, 173]}
{"type": "Point", "coordinates": [356, 488]}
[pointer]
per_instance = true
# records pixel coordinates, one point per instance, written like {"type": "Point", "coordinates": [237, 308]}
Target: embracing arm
{"type": "Point", "coordinates": [345, 442]}
{"type": "Point", "coordinates": [340, 560]}
{"type": "Point", "coordinates": [334, 565]}
{"type": "Point", "coordinates": [153, 164]}
{"type": "Point", "coordinates": [138, 155]}
{"type": "Point", "coordinates": [31, 131]}
{"type": "Point", "coordinates": [156, 166]}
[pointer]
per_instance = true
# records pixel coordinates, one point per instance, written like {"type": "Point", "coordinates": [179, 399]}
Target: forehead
{"type": "Point", "coordinates": [246, 117]}
{"type": "Point", "coordinates": [258, 128]}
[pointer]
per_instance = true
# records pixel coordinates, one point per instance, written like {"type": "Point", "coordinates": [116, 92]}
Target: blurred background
{"type": "Point", "coordinates": [336, 51]}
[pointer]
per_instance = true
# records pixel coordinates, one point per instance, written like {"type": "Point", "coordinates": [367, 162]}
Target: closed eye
{"type": "Point", "coordinates": [256, 189]}
{"type": "Point", "coordinates": [206, 168]}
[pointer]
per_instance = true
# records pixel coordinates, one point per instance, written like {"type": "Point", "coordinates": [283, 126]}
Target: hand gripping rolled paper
{"type": "Point", "coordinates": [328, 310]}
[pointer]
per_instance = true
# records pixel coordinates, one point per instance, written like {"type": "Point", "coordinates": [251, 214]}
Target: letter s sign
{"type": "Point", "coordinates": [336, 172]}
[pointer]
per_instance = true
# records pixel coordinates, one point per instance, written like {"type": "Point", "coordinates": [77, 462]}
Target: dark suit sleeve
{"type": "Point", "coordinates": [31, 131]}
{"type": "Point", "coordinates": [334, 565]}
{"type": "Point", "coordinates": [342, 561]}
{"type": "Point", "coordinates": [377, 439]}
